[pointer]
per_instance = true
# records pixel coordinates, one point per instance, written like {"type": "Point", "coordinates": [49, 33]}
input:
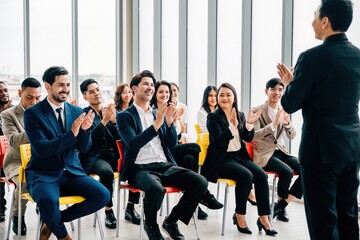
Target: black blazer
{"type": "Point", "coordinates": [52, 150]}
{"type": "Point", "coordinates": [220, 136]}
{"type": "Point", "coordinates": [134, 137]}
{"type": "Point", "coordinates": [103, 144]}
{"type": "Point", "coordinates": [326, 86]}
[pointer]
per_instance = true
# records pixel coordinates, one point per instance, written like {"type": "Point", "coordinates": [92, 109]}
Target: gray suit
{"type": "Point", "coordinates": [13, 128]}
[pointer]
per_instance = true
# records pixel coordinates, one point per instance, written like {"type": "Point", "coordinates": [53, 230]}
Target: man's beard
{"type": "Point", "coordinates": [58, 99]}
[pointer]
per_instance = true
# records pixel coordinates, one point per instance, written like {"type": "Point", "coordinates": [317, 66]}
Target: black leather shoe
{"type": "Point", "coordinates": [245, 230]}
{"type": "Point", "coordinates": [201, 214]}
{"type": "Point", "coordinates": [132, 216]}
{"type": "Point", "coordinates": [15, 225]}
{"type": "Point", "coordinates": [172, 230]}
{"type": "Point", "coordinates": [270, 232]}
{"type": "Point", "coordinates": [283, 216]}
{"type": "Point", "coordinates": [110, 220]}
{"type": "Point", "coordinates": [210, 201]}
{"type": "Point", "coordinates": [153, 232]}
{"type": "Point", "coordinates": [2, 216]}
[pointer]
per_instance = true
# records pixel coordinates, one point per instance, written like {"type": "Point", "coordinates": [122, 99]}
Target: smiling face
{"type": "Point", "coordinates": [4, 94]}
{"type": "Point", "coordinates": [162, 94]}
{"type": "Point", "coordinates": [126, 95]}
{"type": "Point", "coordinates": [93, 94]}
{"type": "Point", "coordinates": [274, 94]}
{"type": "Point", "coordinates": [212, 99]}
{"type": "Point", "coordinates": [59, 90]}
{"type": "Point", "coordinates": [226, 98]}
{"type": "Point", "coordinates": [144, 90]}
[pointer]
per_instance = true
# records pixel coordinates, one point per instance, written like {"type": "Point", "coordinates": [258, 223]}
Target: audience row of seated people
{"type": "Point", "coordinates": [151, 123]}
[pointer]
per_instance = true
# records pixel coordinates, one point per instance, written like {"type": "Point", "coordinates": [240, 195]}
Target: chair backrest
{"type": "Point", "coordinates": [197, 128]}
{"type": "Point", "coordinates": [249, 148]}
{"type": "Point", "coordinates": [203, 141]}
{"type": "Point", "coordinates": [4, 144]}
{"type": "Point", "coordinates": [121, 161]}
{"type": "Point", "coordinates": [25, 154]}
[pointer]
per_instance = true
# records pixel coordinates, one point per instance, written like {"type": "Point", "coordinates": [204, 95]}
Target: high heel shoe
{"type": "Point", "coordinates": [245, 230]}
{"type": "Point", "coordinates": [270, 231]}
{"type": "Point", "coordinates": [252, 202]}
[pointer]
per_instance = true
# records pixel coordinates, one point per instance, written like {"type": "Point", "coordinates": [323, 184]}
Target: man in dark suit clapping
{"type": "Point", "coordinates": [326, 86]}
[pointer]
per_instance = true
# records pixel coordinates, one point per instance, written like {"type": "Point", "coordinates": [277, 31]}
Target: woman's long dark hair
{"type": "Point", "coordinates": [153, 101]}
{"type": "Point", "coordinates": [205, 101]}
{"type": "Point", "coordinates": [235, 103]}
{"type": "Point", "coordinates": [117, 98]}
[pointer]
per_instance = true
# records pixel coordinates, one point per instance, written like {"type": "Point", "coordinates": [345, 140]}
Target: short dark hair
{"type": "Point", "coordinates": [153, 101]}
{"type": "Point", "coordinates": [273, 82]}
{"type": "Point", "coordinates": [84, 85]}
{"type": "Point", "coordinates": [137, 78]}
{"type": "Point", "coordinates": [52, 72]}
{"type": "Point", "coordinates": [339, 12]}
{"type": "Point", "coordinates": [30, 82]}
{"type": "Point", "coordinates": [2, 82]}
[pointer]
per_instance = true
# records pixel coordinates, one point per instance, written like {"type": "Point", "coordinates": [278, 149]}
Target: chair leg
{"type": "Point", "coordinates": [19, 212]}
{"type": "Point", "coordinates": [273, 200]}
{"type": "Point", "coordinates": [224, 212]}
{"type": "Point", "coordinates": [79, 228]}
{"type": "Point", "coordinates": [118, 209]}
{"type": "Point", "coordinates": [94, 221]}
{"type": "Point", "coordinates": [101, 230]}
{"type": "Point", "coordinates": [217, 192]}
{"type": "Point", "coordinates": [196, 226]}
{"type": "Point", "coordinates": [142, 215]}
{"type": "Point", "coordinates": [38, 228]}
{"type": "Point", "coordinates": [10, 215]}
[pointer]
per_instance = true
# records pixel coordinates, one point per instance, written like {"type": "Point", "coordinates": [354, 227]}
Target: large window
{"type": "Point", "coordinates": [97, 45]}
{"type": "Point", "coordinates": [11, 47]}
{"type": "Point", "coordinates": [229, 43]}
{"type": "Point", "coordinates": [50, 35]}
{"type": "Point", "coordinates": [266, 46]}
{"type": "Point", "coordinates": [146, 35]}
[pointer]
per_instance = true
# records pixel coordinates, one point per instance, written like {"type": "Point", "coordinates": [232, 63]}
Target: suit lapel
{"type": "Point", "coordinates": [50, 115]}
{"type": "Point", "coordinates": [19, 112]}
{"type": "Point", "coordinates": [137, 118]}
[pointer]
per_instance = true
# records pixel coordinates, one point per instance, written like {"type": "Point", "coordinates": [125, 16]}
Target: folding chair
{"type": "Point", "coordinates": [25, 153]}
{"type": "Point", "coordinates": [203, 141]}
{"type": "Point", "coordinates": [127, 186]}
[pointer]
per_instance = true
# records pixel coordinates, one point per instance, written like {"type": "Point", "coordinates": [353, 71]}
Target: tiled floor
{"type": "Point", "coordinates": [209, 229]}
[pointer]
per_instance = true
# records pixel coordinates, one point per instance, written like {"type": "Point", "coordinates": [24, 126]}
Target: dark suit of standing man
{"type": "Point", "coordinates": [54, 169]}
{"type": "Point", "coordinates": [326, 86]}
{"type": "Point", "coordinates": [147, 135]}
{"type": "Point", "coordinates": [13, 127]}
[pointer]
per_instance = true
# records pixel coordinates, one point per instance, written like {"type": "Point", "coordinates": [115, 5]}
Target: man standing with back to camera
{"type": "Point", "coordinates": [326, 86]}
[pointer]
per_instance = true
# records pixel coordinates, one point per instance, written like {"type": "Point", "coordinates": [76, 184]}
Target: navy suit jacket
{"type": "Point", "coordinates": [326, 86]}
{"type": "Point", "coordinates": [103, 144]}
{"type": "Point", "coordinates": [134, 137]}
{"type": "Point", "coordinates": [220, 136]}
{"type": "Point", "coordinates": [52, 150]}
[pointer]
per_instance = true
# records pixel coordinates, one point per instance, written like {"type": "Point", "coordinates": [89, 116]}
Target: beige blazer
{"type": "Point", "coordinates": [13, 129]}
{"type": "Point", "coordinates": [265, 142]}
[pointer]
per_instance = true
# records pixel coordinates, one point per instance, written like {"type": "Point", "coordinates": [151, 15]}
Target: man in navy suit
{"type": "Point", "coordinates": [55, 130]}
{"type": "Point", "coordinates": [326, 86]}
{"type": "Point", "coordinates": [147, 135]}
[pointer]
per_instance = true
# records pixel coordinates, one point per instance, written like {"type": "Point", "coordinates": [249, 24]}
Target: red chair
{"type": "Point", "coordinates": [4, 144]}
{"type": "Point", "coordinates": [127, 186]}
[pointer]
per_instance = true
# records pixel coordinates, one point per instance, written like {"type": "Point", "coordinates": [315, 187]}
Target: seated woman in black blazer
{"type": "Point", "coordinates": [227, 158]}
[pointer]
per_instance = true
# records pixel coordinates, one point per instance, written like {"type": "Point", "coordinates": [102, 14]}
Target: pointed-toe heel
{"type": "Point", "coordinates": [270, 232]}
{"type": "Point", "coordinates": [245, 230]}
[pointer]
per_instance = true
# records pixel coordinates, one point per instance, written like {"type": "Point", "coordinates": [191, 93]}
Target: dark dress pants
{"type": "Point", "coordinates": [2, 193]}
{"type": "Point", "coordinates": [152, 177]}
{"type": "Point", "coordinates": [186, 155]}
{"type": "Point", "coordinates": [46, 196]}
{"type": "Point", "coordinates": [245, 172]}
{"type": "Point", "coordinates": [330, 198]}
{"type": "Point", "coordinates": [285, 165]}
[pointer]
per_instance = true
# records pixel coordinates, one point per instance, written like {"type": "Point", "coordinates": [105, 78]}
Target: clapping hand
{"type": "Point", "coordinates": [253, 116]}
{"type": "Point", "coordinates": [84, 121]}
{"type": "Point", "coordinates": [233, 117]}
{"type": "Point", "coordinates": [285, 74]}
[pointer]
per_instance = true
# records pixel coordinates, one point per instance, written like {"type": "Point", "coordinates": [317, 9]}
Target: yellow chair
{"type": "Point", "coordinates": [25, 154]}
{"type": "Point", "coordinates": [203, 141]}
{"type": "Point", "coordinates": [197, 129]}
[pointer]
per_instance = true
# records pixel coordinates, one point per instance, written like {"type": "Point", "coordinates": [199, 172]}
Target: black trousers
{"type": "Point", "coordinates": [330, 198]}
{"type": "Point", "coordinates": [2, 193]}
{"type": "Point", "coordinates": [244, 172]}
{"type": "Point", "coordinates": [151, 177]}
{"type": "Point", "coordinates": [285, 165]}
{"type": "Point", "coordinates": [187, 155]}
